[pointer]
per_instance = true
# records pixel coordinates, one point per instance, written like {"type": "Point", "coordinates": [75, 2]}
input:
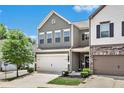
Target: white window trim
{"type": "Point", "coordinates": [86, 32]}
{"type": "Point", "coordinates": [57, 30]}
{"type": "Point", "coordinates": [48, 32]}
{"type": "Point", "coordinates": [66, 29]}
{"type": "Point", "coordinates": [41, 33]}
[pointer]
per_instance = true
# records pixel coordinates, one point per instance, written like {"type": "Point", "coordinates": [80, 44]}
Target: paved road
{"type": "Point", "coordinates": [40, 80]}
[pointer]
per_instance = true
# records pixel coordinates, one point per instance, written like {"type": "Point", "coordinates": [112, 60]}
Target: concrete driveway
{"type": "Point", "coordinates": [104, 81]}
{"type": "Point", "coordinates": [30, 81]}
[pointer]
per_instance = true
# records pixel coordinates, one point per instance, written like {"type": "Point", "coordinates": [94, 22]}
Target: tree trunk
{"type": "Point", "coordinates": [17, 73]}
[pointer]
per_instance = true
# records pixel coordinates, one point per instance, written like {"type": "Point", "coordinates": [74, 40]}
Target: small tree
{"type": "Point", "coordinates": [3, 31]}
{"type": "Point", "coordinates": [17, 49]}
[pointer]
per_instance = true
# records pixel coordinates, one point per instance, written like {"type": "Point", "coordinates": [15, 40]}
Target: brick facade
{"type": "Point", "coordinates": [105, 50]}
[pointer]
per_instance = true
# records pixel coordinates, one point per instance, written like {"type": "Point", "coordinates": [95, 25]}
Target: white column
{"type": "Point", "coordinates": [70, 60]}
{"type": "Point", "coordinates": [72, 41]}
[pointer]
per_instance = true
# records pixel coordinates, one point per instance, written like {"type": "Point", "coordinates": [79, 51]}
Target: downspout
{"type": "Point", "coordinates": [37, 46]}
{"type": "Point", "coordinates": [90, 51]}
{"type": "Point", "coordinates": [70, 50]}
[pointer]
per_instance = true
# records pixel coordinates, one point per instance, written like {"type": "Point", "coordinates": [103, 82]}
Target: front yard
{"type": "Point", "coordinates": [65, 81]}
{"type": "Point", "coordinates": [40, 80]}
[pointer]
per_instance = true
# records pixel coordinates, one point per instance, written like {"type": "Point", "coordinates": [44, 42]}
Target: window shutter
{"type": "Point", "coordinates": [122, 28]}
{"type": "Point", "coordinates": [98, 31]}
{"type": "Point", "coordinates": [111, 29]}
{"type": "Point", "coordinates": [83, 36]}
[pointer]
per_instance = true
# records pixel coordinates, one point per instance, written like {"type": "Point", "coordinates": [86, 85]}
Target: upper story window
{"type": "Point", "coordinates": [42, 38]}
{"type": "Point", "coordinates": [66, 35]}
{"type": "Point", "coordinates": [53, 21]}
{"type": "Point", "coordinates": [57, 36]}
{"type": "Point", "coordinates": [85, 36]}
{"type": "Point", "coordinates": [49, 37]}
{"type": "Point", "coordinates": [104, 29]}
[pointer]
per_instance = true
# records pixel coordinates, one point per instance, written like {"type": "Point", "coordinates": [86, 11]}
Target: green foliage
{"type": "Point", "coordinates": [65, 81]}
{"type": "Point", "coordinates": [87, 70]}
{"type": "Point", "coordinates": [17, 49]}
{"type": "Point", "coordinates": [3, 31]}
{"type": "Point", "coordinates": [33, 41]}
{"type": "Point", "coordinates": [30, 70]}
{"type": "Point", "coordinates": [84, 74]}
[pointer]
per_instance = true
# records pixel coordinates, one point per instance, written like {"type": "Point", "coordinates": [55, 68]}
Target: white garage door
{"type": "Point", "coordinates": [52, 63]}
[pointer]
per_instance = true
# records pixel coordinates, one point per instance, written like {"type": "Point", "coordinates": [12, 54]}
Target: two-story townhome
{"type": "Point", "coordinates": [107, 40]}
{"type": "Point", "coordinates": [62, 45]}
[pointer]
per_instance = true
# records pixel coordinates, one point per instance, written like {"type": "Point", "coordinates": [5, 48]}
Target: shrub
{"type": "Point", "coordinates": [84, 74]}
{"type": "Point", "coordinates": [87, 70]}
{"type": "Point", "coordinates": [30, 70]}
{"type": "Point", "coordinates": [65, 73]}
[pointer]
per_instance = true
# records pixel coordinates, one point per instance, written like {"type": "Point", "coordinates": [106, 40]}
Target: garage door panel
{"type": "Point", "coordinates": [52, 63]}
{"type": "Point", "coordinates": [112, 65]}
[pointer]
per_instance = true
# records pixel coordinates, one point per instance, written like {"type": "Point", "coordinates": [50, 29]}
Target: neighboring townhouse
{"type": "Point", "coordinates": [107, 40]}
{"type": "Point", "coordinates": [62, 45]}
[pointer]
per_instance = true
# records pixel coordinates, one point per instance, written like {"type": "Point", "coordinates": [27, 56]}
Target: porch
{"type": "Point", "coordinates": [80, 58]}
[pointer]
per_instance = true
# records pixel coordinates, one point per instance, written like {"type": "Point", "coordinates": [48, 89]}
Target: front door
{"type": "Point", "coordinates": [86, 60]}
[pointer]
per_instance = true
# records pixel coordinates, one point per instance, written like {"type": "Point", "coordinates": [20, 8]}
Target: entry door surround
{"type": "Point", "coordinates": [86, 60]}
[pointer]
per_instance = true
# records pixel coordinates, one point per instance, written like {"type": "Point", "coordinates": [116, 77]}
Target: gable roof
{"type": "Point", "coordinates": [82, 24]}
{"type": "Point", "coordinates": [97, 11]}
{"type": "Point", "coordinates": [49, 15]}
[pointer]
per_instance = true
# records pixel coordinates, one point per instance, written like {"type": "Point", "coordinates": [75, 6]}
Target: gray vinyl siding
{"type": "Point", "coordinates": [76, 38]}
{"type": "Point", "coordinates": [83, 43]}
{"type": "Point", "coordinates": [59, 25]}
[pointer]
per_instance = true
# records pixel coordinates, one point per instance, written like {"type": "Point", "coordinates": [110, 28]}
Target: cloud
{"type": "Point", "coordinates": [88, 8]}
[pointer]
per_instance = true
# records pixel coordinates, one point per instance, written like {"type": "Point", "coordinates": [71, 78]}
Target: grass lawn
{"type": "Point", "coordinates": [65, 81]}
